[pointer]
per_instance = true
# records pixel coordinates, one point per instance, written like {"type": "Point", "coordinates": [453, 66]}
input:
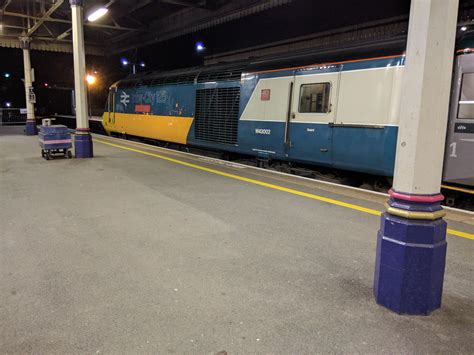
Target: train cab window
{"type": "Point", "coordinates": [107, 104]}
{"type": "Point", "coordinates": [314, 98]}
{"type": "Point", "coordinates": [466, 98]}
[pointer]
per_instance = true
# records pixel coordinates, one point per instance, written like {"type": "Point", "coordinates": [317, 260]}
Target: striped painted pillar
{"type": "Point", "coordinates": [411, 244]}
{"type": "Point", "coordinates": [30, 128]}
{"type": "Point", "coordinates": [82, 139]}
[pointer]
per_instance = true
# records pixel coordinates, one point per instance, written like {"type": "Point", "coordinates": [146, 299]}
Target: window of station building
{"type": "Point", "coordinates": [466, 98]}
{"type": "Point", "coordinates": [314, 98]}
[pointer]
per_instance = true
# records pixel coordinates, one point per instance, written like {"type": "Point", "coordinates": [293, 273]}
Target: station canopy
{"type": "Point", "coordinates": [128, 24]}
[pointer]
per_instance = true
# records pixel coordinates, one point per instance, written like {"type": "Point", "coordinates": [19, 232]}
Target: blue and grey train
{"type": "Point", "coordinates": [339, 115]}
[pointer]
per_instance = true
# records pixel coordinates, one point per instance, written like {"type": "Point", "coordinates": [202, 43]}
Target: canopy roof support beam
{"type": "Point", "coordinates": [47, 15]}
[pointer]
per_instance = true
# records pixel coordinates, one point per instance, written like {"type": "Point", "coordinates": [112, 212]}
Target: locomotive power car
{"type": "Point", "coordinates": [338, 115]}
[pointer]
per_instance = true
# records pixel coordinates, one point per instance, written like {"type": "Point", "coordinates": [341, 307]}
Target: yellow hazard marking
{"type": "Point", "coordinates": [458, 189]}
{"type": "Point", "coordinates": [272, 186]}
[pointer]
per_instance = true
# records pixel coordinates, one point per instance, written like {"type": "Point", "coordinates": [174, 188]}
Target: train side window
{"type": "Point", "coordinates": [466, 98]}
{"type": "Point", "coordinates": [314, 98]}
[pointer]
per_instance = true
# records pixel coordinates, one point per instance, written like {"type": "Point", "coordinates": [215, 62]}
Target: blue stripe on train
{"type": "Point", "coordinates": [364, 149]}
{"type": "Point", "coordinates": [370, 150]}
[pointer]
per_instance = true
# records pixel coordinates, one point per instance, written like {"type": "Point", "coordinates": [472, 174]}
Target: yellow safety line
{"type": "Point", "coordinates": [272, 186]}
{"type": "Point", "coordinates": [458, 189]}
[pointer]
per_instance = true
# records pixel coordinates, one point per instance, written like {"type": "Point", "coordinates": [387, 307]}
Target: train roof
{"type": "Point", "coordinates": [233, 71]}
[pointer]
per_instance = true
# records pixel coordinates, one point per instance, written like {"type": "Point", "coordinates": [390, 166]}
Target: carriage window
{"type": "Point", "coordinates": [466, 99]}
{"type": "Point", "coordinates": [314, 98]}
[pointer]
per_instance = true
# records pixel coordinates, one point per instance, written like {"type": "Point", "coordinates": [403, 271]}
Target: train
{"type": "Point", "coordinates": [336, 116]}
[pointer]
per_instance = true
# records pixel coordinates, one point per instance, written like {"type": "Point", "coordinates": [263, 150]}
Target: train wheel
{"type": "Point", "coordinates": [381, 185]}
{"type": "Point", "coordinates": [69, 154]}
{"type": "Point", "coordinates": [450, 201]}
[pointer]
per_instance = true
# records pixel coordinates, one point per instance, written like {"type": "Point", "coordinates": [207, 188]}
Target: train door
{"type": "Point", "coordinates": [459, 155]}
{"type": "Point", "coordinates": [111, 106]}
{"type": "Point", "coordinates": [309, 126]}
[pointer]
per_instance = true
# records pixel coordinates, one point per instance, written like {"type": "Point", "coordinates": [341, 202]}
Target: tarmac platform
{"type": "Point", "coordinates": [147, 250]}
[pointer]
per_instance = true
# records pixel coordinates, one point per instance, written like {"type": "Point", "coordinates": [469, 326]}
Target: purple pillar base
{"type": "Point", "coordinates": [30, 128]}
{"type": "Point", "coordinates": [83, 144]}
{"type": "Point", "coordinates": [410, 261]}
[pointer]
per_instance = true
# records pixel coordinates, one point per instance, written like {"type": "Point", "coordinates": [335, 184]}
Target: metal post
{"type": "Point", "coordinates": [30, 97]}
{"type": "Point", "coordinates": [83, 139]}
{"type": "Point", "coordinates": [411, 244]}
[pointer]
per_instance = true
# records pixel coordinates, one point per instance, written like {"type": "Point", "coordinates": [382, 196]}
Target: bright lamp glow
{"type": "Point", "coordinates": [97, 14]}
{"type": "Point", "coordinates": [200, 47]}
{"type": "Point", "coordinates": [8, 104]}
{"type": "Point", "coordinates": [142, 64]}
{"type": "Point", "coordinates": [124, 61]}
{"type": "Point", "coordinates": [90, 79]}
{"type": "Point", "coordinates": [6, 75]}
{"type": "Point", "coordinates": [463, 28]}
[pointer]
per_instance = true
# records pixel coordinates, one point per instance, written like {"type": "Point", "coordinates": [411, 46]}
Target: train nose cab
{"type": "Point", "coordinates": [459, 156]}
{"type": "Point", "coordinates": [108, 119]}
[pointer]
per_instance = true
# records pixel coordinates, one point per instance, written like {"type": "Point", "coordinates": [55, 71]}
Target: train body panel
{"type": "Point", "coordinates": [342, 115]}
{"type": "Point", "coordinates": [166, 128]}
{"type": "Point", "coordinates": [459, 154]}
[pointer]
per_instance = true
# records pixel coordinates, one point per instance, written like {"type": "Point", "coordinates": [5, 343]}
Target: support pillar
{"type": "Point", "coordinates": [30, 128]}
{"type": "Point", "coordinates": [83, 139]}
{"type": "Point", "coordinates": [411, 243]}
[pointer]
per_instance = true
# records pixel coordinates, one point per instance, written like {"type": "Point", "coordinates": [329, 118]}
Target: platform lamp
{"type": "Point", "coordinates": [125, 63]}
{"type": "Point", "coordinates": [91, 80]}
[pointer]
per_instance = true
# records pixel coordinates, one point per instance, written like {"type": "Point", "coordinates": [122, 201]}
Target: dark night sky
{"type": "Point", "coordinates": [301, 17]}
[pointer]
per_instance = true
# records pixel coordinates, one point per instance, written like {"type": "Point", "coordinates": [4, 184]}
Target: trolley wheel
{"type": "Point", "coordinates": [69, 154]}
{"type": "Point", "coordinates": [42, 153]}
{"type": "Point", "coordinates": [48, 155]}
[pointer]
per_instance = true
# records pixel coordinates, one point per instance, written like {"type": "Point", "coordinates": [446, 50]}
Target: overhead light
{"type": "Point", "coordinates": [8, 104]}
{"type": "Point", "coordinates": [124, 61]}
{"type": "Point", "coordinates": [6, 75]}
{"type": "Point", "coordinates": [142, 64]}
{"type": "Point", "coordinates": [90, 79]}
{"type": "Point", "coordinates": [97, 14]}
{"type": "Point", "coordinates": [200, 46]}
{"type": "Point", "coordinates": [463, 28]}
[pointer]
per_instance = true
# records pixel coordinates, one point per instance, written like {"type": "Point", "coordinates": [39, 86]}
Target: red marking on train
{"type": "Point", "coordinates": [143, 108]}
{"type": "Point", "coordinates": [265, 95]}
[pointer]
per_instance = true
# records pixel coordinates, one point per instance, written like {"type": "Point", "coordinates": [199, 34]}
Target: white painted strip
{"type": "Point", "coordinates": [467, 102]}
{"type": "Point", "coordinates": [467, 140]}
{"type": "Point", "coordinates": [260, 120]}
{"type": "Point", "coordinates": [369, 69]}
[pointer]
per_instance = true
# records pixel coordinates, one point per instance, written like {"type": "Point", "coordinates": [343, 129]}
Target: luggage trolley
{"type": "Point", "coordinates": [54, 140]}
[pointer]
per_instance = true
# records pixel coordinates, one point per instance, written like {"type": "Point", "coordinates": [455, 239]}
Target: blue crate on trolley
{"type": "Point", "coordinates": [55, 140]}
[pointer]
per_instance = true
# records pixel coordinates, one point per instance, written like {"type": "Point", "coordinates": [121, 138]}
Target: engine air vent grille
{"type": "Point", "coordinates": [217, 115]}
{"type": "Point", "coordinates": [227, 75]}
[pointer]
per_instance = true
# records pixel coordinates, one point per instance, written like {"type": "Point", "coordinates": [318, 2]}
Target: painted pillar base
{"type": "Point", "coordinates": [30, 128]}
{"type": "Point", "coordinates": [83, 144]}
{"type": "Point", "coordinates": [411, 255]}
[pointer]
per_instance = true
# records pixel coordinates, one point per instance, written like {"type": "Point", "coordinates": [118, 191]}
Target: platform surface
{"type": "Point", "coordinates": [131, 252]}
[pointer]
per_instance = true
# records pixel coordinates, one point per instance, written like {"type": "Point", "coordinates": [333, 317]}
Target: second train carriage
{"type": "Point", "coordinates": [342, 115]}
